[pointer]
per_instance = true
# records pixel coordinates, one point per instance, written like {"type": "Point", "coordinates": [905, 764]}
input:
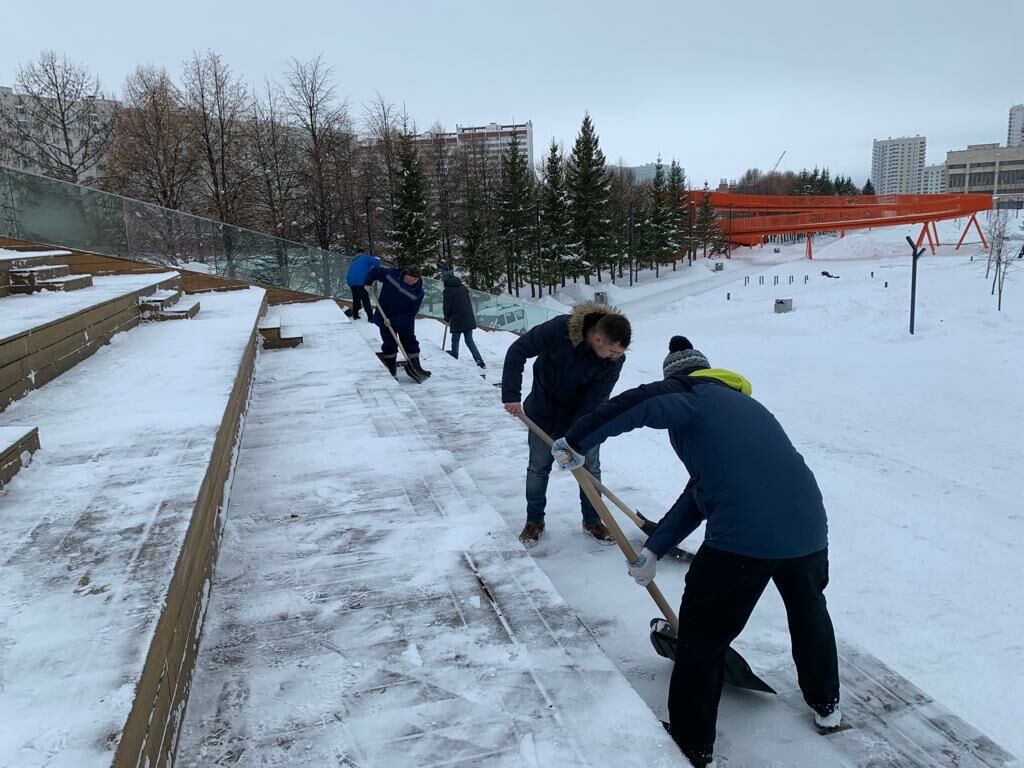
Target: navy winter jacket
{"type": "Point", "coordinates": [746, 479]}
{"type": "Point", "coordinates": [569, 380]}
{"type": "Point", "coordinates": [359, 268]}
{"type": "Point", "coordinates": [458, 309]}
{"type": "Point", "coordinates": [399, 301]}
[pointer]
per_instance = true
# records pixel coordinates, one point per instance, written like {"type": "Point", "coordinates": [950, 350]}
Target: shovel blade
{"type": "Point", "coordinates": [413, 374]}
{"type": "Point", "coordinates": [737, 671]}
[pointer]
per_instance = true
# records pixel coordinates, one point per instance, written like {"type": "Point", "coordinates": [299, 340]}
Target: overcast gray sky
{"type": "Point", "coordinates": [720, 86]}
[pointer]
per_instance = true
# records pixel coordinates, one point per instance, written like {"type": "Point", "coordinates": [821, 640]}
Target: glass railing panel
{"type": "Point", "coordinates": [46, 210]}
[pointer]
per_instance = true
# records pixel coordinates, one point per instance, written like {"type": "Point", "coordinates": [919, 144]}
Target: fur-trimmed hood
{"type": "Point", "coordinates": [584, 317]}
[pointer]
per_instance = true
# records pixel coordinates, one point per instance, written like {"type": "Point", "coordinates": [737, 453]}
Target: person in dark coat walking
{"type": "Point", "coordinates": [458, 313]}
{"type": "Point", "coordinates": [401, 295]}
{"type": "Point", "coordinates": [579, 358]}
{"type": "Point", "coordinates": [356, 279]}
{"type": "Point", "coordinates": [765, 521]}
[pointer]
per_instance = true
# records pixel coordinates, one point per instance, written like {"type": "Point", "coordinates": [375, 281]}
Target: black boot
{"type": "Point", "coordinates": [348, 312]}
{"type": "Point", "coordinates": [391, 361]}
{"type": "Point", "coordinates": [414, 363]}
{"type": "Point", "coordinates": [481, 364]}
{"type": "Point", "coordinates": [452, 354]}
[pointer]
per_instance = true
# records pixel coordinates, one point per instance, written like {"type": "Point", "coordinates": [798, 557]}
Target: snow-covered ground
{"type": "Point", "coordinates": [915, 441]}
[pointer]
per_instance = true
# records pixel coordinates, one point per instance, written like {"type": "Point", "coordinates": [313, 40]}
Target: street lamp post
{"type": "Point", "coordinates": [630, 243]}
{"type": "Point", "coordinates": [690, 248]}
{"type": "Point", "coordinates": [369, 223]}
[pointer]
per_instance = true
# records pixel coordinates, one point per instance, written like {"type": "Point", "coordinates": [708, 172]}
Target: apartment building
{"type": "Point", "coordinates": [987, 168]}
{"type": "Point", "coordinates": [19, 108]}
{"type": "Point", "coordinates": [897, 165]}
{"type": "Point", "coordinates": [1015, 132]}
{"type": "Point", "coordinates": [933, 179]}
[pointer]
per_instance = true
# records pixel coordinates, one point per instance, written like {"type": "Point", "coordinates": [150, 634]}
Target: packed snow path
{"type": "Point", "coordinates": [370, 608]}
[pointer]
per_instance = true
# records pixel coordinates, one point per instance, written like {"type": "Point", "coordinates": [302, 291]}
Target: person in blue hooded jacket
{"type": "Point", "coordinates": [401, 295]}
{"type": "Point", "coordinates": [765, 521]}
{"type": "Point", "coordinates": [356, 279]}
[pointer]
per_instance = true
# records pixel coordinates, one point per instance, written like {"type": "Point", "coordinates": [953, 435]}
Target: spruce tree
{"type": "Point", "coordinates": [660, 218]}
{"type": "Point", "coordinates": [708, 232]}
{"type": "Point", "coordinates": [587, 184]}
{"type": "Point", "coordinates": [554, 219]}
{"type": "Point", "coordinates": [478, 249]}
{"type": "Point", "coordinates": [675, 193]}
{"type": "Point", "coordinates": [516, 212]}
{"type": "Point", "coordinates": [413, 234]}
{"type": "Point", "coordinates": [869, 188]}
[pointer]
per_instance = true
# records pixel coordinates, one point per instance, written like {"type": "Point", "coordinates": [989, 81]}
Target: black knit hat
{"type": "Point", "coordinates": [682, 357]}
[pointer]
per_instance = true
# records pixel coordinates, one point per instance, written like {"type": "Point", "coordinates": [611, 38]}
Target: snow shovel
{"type": "Point", "coordinates": [444, 338]}
{"type": "Point", "coordinates": [406, 365]}
{"type": "Point", "coordinates": [663, 631]}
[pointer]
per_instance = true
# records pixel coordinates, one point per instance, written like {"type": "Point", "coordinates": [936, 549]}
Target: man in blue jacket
{"type": "Point", "coordinates": [356, 279]}
{"type": "Point", "coordinates": [401, 295]}
{"type": "Point", "coordinates": [579, 358]}
{"type": "Point", "coordinates": [765, 522]}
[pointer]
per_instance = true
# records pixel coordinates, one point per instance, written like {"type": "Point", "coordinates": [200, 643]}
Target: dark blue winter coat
{"type": "Point", "coordinates": [458, 308]}
{"type": "Point", "coordinates": [359, 268]}
{"type": "Point", "coordinates": [746, 479]}
{"type": "Point", "coordinates": [569, 380]}
{"type": "Point", "coordinates": [399, 301]}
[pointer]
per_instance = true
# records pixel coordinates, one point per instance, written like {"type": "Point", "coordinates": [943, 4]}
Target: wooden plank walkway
{"type": "Point", "coordinates": [371, 609]}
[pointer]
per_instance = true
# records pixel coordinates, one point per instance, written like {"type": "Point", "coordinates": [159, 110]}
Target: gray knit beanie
{"type": "Point", "coordinates": [682, 357]}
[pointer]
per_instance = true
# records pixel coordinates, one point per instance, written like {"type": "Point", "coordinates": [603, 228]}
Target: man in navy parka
{"type": "Point", "coordinates": [765, 521]}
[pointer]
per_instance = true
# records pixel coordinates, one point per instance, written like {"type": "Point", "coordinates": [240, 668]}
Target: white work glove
{"type": "Point", "coordinates": [566, 457]}
{"type": "Point", "coordinates": [643, 569]}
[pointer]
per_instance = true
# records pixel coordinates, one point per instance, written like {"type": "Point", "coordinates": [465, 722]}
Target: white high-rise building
{"type": "Point", "coordinates": [897, 165]}
{"type": "Point", "coordinates": [933, 179]}
{"type": "Point", "coordinates": [1015, 134]}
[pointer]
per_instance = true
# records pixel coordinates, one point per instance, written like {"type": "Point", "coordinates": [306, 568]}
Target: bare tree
{"type": "Point", "coordinates": [382, 126]}
{"type": "Point", "coordinates": [439, 163]}
{"type": "Point", "coordinates": [311, 101]}
{"type": "Point", "coordinates": [276, 152]}
{"type": "Point", "coordinates": [219, 109]}
{"type": "Point", "coordinates": [62, 124]}
{"type": "Point", "coordinates": [151, 157]}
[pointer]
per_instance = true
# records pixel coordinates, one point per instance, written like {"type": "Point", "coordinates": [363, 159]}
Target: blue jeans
{"type": "Point", "coordinates": [537, 472]}
{"type": "Point", "coordinates": [470, 344]}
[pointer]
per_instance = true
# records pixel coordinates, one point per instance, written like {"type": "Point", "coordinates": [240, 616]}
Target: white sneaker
{"type": "Point", "coordinates": [829, 722]}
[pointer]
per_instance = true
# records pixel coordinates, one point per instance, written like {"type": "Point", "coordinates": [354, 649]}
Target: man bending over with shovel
{"type": "Point", "coordinates": [765, 522]}
{"type": "Point", "coordinates": [401, 295]}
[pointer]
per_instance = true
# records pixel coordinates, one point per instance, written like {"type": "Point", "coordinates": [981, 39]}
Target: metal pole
{"type": "Point", "coordinates": [369, 223]}
{"type": "Point", "coordinates": [916, 254]}
{"type": "Point", "coordinates": [631, 242]}
{"type": "Point", "coordinates": [540, 264]}
{"type": "Point", "coordinates": [690, 249]}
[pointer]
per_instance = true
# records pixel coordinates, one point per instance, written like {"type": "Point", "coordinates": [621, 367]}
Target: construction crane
{"type": "Point", "coordinates": [777, 162]}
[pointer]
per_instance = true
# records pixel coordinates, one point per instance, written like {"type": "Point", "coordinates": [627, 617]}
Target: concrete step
{"type": "Point", "coordinates": [17, 444]}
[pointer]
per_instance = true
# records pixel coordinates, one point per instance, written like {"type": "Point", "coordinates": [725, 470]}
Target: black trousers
{"type": "Point", "coordinates": [721, 591]}
{"type": "Point", "coordinates": [360, 298]}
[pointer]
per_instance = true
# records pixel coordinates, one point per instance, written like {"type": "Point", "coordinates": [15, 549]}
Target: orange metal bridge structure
{"type": "Point", "coordinates": [748, 219]}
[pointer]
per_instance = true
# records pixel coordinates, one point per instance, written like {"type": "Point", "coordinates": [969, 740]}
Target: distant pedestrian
{"type": "Point", "coordinates": [356, 278]}
{"type": "Point", "coordinates": [458, 313]}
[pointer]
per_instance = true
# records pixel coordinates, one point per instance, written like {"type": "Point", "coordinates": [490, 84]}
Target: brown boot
{"type": "Point", "coordinates": [599, 532]}
{"type": "Point", "coordinates": [531, 534]}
